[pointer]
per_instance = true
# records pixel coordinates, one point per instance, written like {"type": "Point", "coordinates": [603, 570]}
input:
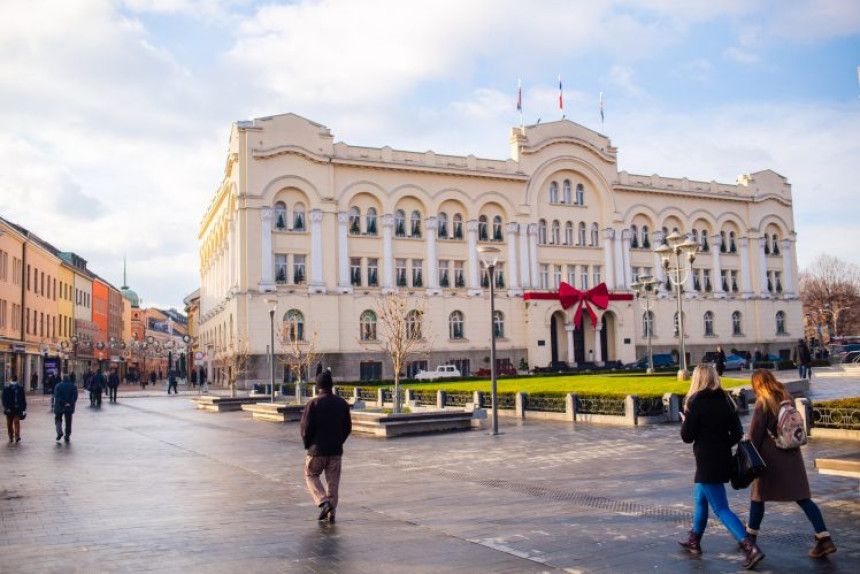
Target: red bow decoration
{"type": "Point", "coordinates": [569, 296]}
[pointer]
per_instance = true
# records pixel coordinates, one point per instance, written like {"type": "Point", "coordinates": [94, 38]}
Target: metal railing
{"type": "Point", "coordinates": [546, 404]}
{"type": "Point", "coordinates": [458, 398]}
{"type": "Point", "coordinates": [836, 417]}
{"type": "Point", "coordinates": [601, 405]}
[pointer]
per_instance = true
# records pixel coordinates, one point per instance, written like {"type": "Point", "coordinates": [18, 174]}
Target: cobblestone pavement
{"type": "Point", "coordinates": [153, 485]}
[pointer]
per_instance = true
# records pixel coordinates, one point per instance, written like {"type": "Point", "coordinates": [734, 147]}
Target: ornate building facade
{"type": "Point", "coordinates": [323, 229]}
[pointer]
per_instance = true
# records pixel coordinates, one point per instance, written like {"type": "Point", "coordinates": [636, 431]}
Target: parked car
{"type": "Point", "coordinates": [735, 363]}
{"type": "Point", "coordinates": [661, 361]}
{"type": "Point", "coordinates": [851, 357]}
{"type": "Point", "coordinates": [838, 352]}
{"type": "Point", "coordinates": [554, 367]}
{"type": "Point", "coordinates": [441, 372]}
{"type": "Point", "coordinates": [503, 370]}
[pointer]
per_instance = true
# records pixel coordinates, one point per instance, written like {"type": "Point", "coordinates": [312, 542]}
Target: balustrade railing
{"type": "Point", "coordinates": [836, 417]}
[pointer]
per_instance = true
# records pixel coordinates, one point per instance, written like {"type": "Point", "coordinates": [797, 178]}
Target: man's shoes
{"type": "Point", "coordinates": [17, 439]}
{"type": "Point", "coordinates": [59, 436]}
{"type": "Point", "coordinates": [325, 511]}
{"type": "Point", "coordinates": [11, 439]}
{"type": "Point", "coordinates": [67, 440]}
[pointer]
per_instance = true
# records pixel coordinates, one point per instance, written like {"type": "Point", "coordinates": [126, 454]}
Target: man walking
{"type": "Point", "coordinates": [325, 425]}
{"type": "Point", "coordinates": [65, 397]}
{"type": "Point", "coordinates": [171, 382]}
{"type": "Point", "coordinates": [112, 383]}
{"type": "Point", "coordinates": [15, 408]}
{"type": "Point", "coordinates": [97, 385]}
{"type": "Point", "coordinates": [803, 359]}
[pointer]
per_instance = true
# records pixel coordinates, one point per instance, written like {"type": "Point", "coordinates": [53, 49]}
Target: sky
{"type": "Point", "coordinates": [116, 114]}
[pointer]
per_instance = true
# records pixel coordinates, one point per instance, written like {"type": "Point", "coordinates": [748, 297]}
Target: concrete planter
{"type": "Point", "coordinates": [274, 412]}
{"type": "Point", "coordinates": [387, 425]}
{"type": "Point", "coordinates": [222, 404]}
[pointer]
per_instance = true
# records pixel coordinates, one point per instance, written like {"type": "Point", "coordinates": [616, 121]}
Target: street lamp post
{"type": "Point", "coordinates": [643, 290]}
{"type": "Point", "coordinates": [273, 305]}
{"type": "Point", "coordinates": [684, 250]}
{"type": "Point", "coordinates": [489, 257]}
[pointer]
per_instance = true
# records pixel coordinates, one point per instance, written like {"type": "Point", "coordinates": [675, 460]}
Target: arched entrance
{"type": "Point", "coordinates": [559, 329]}
{"type": "Point", "coordinates": [608, 339]}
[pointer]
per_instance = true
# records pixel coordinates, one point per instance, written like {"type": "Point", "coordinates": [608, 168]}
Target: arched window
{"type": "Point", "coordinates": [499, 324]}
{"type": "Point", "coordinates": [634, 237]}
{"type": "Point", "coordinates": [542, 231]}
{"type": "Point", "coordinates": [280, 215]}
{"type": "Point", "coordinates": [775, 244]}
{"type": "Point", "coordinates": [367, 326]}
{"type": "Point", "coordinates": [737, 325]}
{"type": "Point", "coordinates": [497, 228]}
{"type": "Point", "coordinates": [294, 325]}
{"type": "Point", "coordinates": [581, 238]}
{"type": "Point", "coordinates": [443, 225]}
{"type": "Point", "coordinates": [457, 226]}
{"type": "Point", "coordinates": [556, 233]}
{"type": "Point", "coordinates": [646, 240]}
{"type": "Point", "coordinates": [299, 217]}
{"type": "Point", "coordinates": [370, 221]}
{"type": "Point", "coordinates": [733, 247]}
{"type": "Point", "coordinates": [705, 246]}
{"type": "Point", "coordinates": [415, 230]}
{"type": "Point", "coordinates": [648, 323]}
{"type": "Point", "coordinates": [568, 233]}
{"type": "Point", "coordinates": [482, 228]}
{"type": "Point", "coordinates": [709, 324]}
{"type": "Point", "coordinates": [595, 235]}
{"type": "Point", "coordinates": [413, 324]}
{"type": "Point", "coordinates": [354, 221]}
{"type": "Point", "coordinates": [580, 194]}
{"type": "Point", "coordinates": [665, 235]}
{"type": "Point", "coordinates": [456, 327]}
{"type": "Point", "coordinates": [400, 223]}
{"type": "Point", "coordinates": [723, 245]}
{"type": "Point", "coordinates": [553, 192]}
{"type": "Point", "coordinates": [780, 322]}
{"type": "Point", "coordinates": [694, 235]}
{"type": "Point", "coordinates": [565, 192]}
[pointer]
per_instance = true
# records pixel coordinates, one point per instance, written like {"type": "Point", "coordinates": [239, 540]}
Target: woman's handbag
{"type": "Point", "coordinates": [747, 465]}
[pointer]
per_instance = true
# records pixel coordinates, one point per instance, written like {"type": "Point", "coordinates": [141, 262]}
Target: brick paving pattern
{"type": "Point", "coordinates": [153, 485]}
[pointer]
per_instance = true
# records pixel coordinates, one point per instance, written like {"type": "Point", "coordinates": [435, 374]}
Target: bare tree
{"type": "Point", "coordinates": [830, 292]}
{"type": "Point", "coordinates": [399, 332]}
{"type": "Point", "coordinates": [235, 362]}
{"type": "Point", "coordinates": [299, 353]}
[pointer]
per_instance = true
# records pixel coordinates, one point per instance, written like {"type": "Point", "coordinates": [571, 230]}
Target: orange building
{"type": "Point", "coordinates": [100, 318]}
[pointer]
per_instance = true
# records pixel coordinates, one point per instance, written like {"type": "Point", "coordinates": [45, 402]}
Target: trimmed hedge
{"type": "Point", "coordinates": [852, 403]}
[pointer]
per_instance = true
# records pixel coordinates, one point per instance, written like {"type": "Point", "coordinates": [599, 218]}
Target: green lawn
{"type": "Point", "coordinates": [642, 385]}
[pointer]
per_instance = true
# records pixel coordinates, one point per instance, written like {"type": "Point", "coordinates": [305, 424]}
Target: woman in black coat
{"type": "Point", "coordinates": [711, 423]}
{"type": "Point", "coordinates": [15, 408]}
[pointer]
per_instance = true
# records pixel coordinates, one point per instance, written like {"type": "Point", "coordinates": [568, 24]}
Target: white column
{"type": "Point", "coordinates": [717, 279]}
{"type": "Point", "coordinates": [598, 350]}
{"type": "Point", "coordinates": [690, 284]}
{"type": "Point", "coordinates": [232, 243]}
{"type": "Point", "coordinates": [533, 255]}
{"type": "Point", "coordinates": [513, 271]}
{"type": "Point", "coordinates": [344, 285]}
{"type": "Point", "coordinates": [658, 265]}
{"type": "Point", "coordinates": [525, 269]}
{"type": "Point", "coordinates": [474, 261]}
{"type": "Point", "coordinates": [571, 349]}
{"type": "Point", "coordinates": [387, 254]}
{"type": "Point", "coordinates": [608, 248]}
{"type": "Point", "coordinates": [266, 282]}
{"type": "Point", "coordinates": [431, 224]}
{"type": "Point", "coordinates": [746, 275]}
{"type": "Point", "coordinates": [619, 265]}
{"type": "Point", "coordinates": [788, 276]}
{"type": "Point", "coordinates": [626, 235]}
{"type": "Point", "coordinates": [317, 282]}
{"type": "Point", "coordinates": [763, 292]}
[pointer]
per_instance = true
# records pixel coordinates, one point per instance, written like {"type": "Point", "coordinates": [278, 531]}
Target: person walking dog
{"type": "Point", "coordinates": [325, 426]}
{"type": "Point", "coordinates": [710, 422]}
{"type": "Point", "coordinates": [784, 479]}
{"type": "Point", "coordinates": [15, 408]}
{"type": "Point", "coordinates": [65, 397]}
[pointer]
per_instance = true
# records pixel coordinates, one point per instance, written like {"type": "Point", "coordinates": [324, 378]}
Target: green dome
{"type": "Point", "coordinates": [131, 296]}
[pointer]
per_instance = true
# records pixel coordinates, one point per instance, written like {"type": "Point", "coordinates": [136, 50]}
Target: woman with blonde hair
{"type": "Point", "coordinates": [710, 422]}
{"type": "Point", "coordinates": [784, 479]}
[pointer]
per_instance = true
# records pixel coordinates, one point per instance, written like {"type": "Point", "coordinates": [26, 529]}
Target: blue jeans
{"type": "Point", "coordinates": [809, 507]}
{"type": "Point", "coordinates": [714, 493]}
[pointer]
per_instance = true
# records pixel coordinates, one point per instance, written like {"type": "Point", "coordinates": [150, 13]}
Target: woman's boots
{"type": "Point", "coordinates": [754, 555]}
{"type": "Point", "coordinates": [692, 543]}
{"type": "Point", "coordinates": [823, 546]}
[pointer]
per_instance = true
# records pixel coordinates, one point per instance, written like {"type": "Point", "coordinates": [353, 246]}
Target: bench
{"type": "Point", "coordinates": [839, 467]}
{"type": "Point", "coordinates": [391, 425]}
{"type": "Point", "coordinates": [221, 404]}
{"type": "Point", "coordinates": [274, 412]}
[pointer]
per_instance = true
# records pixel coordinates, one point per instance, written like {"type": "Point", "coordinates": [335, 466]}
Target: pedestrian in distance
{"type": "Point", "coordinates": [325, 426]}
{"type": "Point", "coordinates": [97, 385]}
{"type": "Point", "coordinates": [193, 379]}
{"type": "Point", "coordinates": [65, 397]}
{"type": "Point", "coordinates": [15, 408]}
{"type": "Point", "coordinates": [152, 378]}
{"type": "Point", "coordinates": [803, 359]}
{"type": "Point", "coordinates": [784, 479]}
{"type": "Point", "coordinates": [171, 382]}
{"type": "Point", "coordinates": [34, 381]}
{"type": "Point", "coordinates": [720, 361]}
{"type": "Point", "coordinates": [112, 384]}
{"type": "Point", "coordinates": [711, 423]}
{"type": "Point", "coordinates": [160, 374]}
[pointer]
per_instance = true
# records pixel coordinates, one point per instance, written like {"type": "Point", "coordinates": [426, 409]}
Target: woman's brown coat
{"type": "Point", "coordinates": [784, 479]}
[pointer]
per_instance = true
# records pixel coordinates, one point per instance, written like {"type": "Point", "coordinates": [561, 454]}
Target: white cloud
{"type": "Point", "coordinates": [622, 77]}
{"type": "Point", "coordinates": [739, 55]}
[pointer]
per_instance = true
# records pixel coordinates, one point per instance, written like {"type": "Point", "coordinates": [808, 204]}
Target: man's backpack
{"type": "Point", "coordinates": [790, 427]}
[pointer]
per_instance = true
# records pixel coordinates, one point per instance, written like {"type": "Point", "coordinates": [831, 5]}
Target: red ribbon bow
{"type": "Point", "coordinates": [597, 296]}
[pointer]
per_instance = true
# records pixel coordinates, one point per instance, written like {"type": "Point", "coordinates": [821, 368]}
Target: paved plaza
{"type": "Point", "coordinates": [153, 485]}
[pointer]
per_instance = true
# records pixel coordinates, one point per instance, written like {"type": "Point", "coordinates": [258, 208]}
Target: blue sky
{"type": "Point", "coordinates": [116, 113]}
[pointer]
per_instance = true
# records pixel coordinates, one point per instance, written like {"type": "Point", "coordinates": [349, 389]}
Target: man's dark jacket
{"type": "Point", "coordinates": [113, 380]}
{"type": "Point", "coordinates": [14, 400]}
{"type": "Point", "coordinates": [65, 396]}
{"type": "Point", "coordinates": [325, 424]}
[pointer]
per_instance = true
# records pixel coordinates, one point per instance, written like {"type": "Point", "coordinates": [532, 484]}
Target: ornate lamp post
{"type": "Point", "coordinates": [489, 257]}
{"type": "Point", "coordinates": [684, 251]}
{"type": "Point", "coordinates": [273, 305]}
{"type": "Point", "coordinates": [643, 289]}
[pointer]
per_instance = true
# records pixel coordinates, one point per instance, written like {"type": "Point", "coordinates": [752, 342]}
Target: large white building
{"type": "Point", "coordinates": [325, 228]}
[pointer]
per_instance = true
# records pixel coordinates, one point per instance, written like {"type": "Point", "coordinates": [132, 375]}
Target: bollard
{"type": "Point", "coordinates": [441, 399]}
{"type": "Point", "coordinates": [478, 398]}
{"type": "Point", "coordinates": [570, 407]}
{"type": "Point", "coordinates": [670, 407]}
{"type": "Point", "coordinates": [804, 407]}
{"type": "Point", "coordinates": [520, 401]}
{"type": "Point", "coordinates": [380, 396]}
{"type": "Point", "coordinates": [631, 410]}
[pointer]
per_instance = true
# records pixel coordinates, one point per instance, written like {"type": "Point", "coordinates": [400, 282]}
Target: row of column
{"type": "Point", "coordinates": [220, 274]}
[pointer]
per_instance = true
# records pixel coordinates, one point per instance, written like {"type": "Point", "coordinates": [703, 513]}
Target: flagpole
{"type": "Point", "coordinates": [560, 97]}
{"type": "Point", "coordinates": [520, 101]}
{"type": "Point", "coordinates": [601, 112]}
